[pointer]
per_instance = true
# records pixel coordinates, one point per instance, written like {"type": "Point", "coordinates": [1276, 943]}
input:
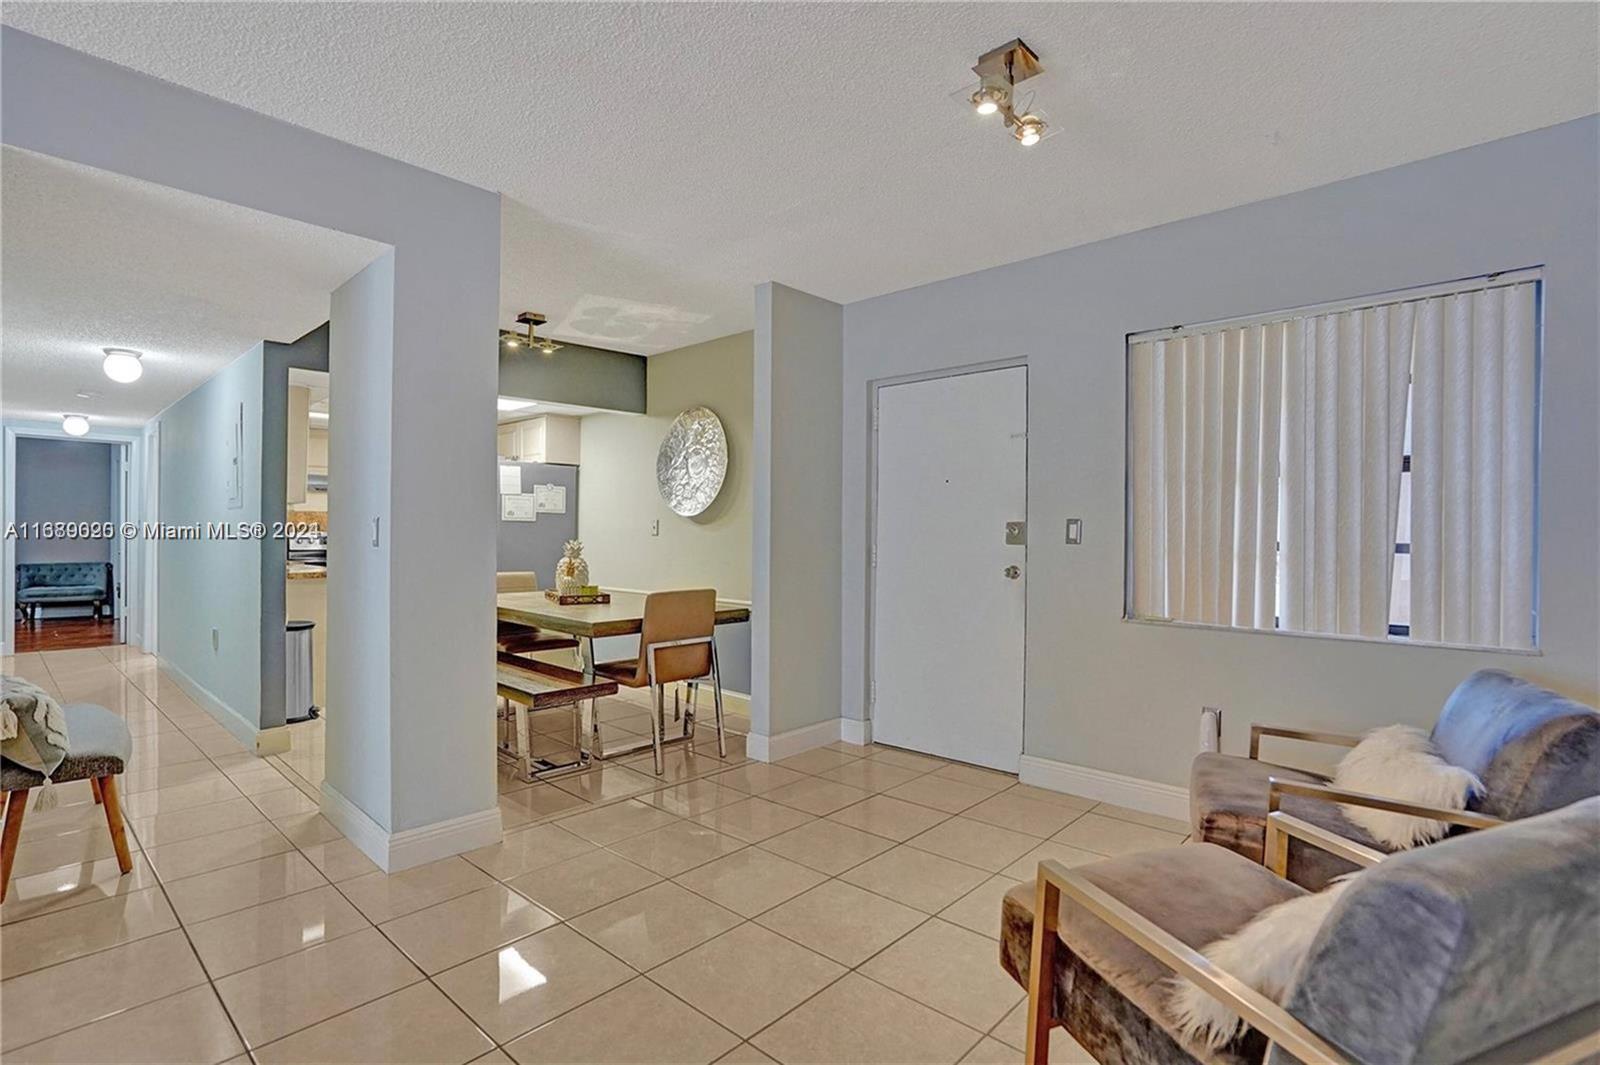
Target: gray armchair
{"type": "Point", "coordinates": [1533, 749]}
{"type": "Point", "coordinates": [1480, 948]}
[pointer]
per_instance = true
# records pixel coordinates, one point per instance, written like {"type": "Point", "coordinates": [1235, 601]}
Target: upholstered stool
{"type": "Point", "coordinates": [100, 746]}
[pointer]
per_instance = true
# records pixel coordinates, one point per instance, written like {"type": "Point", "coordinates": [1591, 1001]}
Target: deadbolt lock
{"type": "Point", "coordinates": [1016, 533]}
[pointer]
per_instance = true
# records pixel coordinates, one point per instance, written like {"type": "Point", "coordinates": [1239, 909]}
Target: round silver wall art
{"type": "Point", "coordinates": [692, 462]}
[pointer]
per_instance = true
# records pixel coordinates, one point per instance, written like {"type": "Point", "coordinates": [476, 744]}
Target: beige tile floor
{"type": "Point", "coordinates": [840, 906]}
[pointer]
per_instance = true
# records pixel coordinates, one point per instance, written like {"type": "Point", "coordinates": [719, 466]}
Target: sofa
{"type": "Point", "coordinates": [1478, 948]}
{"type": "Point", "coordinates": [1533, 749]}
{"type": "Point", "coordinates": [63, 584]}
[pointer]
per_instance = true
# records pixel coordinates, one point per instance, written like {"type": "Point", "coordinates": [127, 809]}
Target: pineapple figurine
{"type": "Point", "coordinates": [572, 572]}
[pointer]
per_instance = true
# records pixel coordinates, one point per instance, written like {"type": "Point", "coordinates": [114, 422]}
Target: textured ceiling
{"type": "Point", "coordinates": [658, 160]}
{"type": "Point", "coordinates": [93, 260]}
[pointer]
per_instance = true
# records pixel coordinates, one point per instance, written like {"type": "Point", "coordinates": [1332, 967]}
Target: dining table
{"type": "Point", "coordinates": [622, 616]}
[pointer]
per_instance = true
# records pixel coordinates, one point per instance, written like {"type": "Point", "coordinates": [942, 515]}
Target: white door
{"type": "Point", "coordinates": [949, 591]}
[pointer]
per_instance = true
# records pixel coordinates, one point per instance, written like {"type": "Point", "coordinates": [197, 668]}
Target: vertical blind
{"type": "Point", "coordinates": [1266, 458]}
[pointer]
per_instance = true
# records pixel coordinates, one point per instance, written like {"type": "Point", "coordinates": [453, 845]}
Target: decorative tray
{"type": "Point", "coordinates": [581, 599]}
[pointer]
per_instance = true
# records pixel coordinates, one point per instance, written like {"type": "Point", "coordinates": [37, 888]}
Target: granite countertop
{"type": "Point", "coordinates": [299, 571]}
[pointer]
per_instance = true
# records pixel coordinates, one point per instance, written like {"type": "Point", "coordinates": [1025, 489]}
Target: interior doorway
{"type": "Point", "coordinates": [950, 565]}
{"type": "Point", "coordinates": [69, 558]}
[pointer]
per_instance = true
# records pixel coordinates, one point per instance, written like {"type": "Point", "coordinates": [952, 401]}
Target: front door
{"type": "Point", "coordinates": [950, 566]}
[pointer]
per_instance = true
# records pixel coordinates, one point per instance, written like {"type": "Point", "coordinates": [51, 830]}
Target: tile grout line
{"type": "Point", "coordinates": [676, 819]}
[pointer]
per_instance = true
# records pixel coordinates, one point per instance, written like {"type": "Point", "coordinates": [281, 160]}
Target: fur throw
{"type": "Point", "coordinates": [1266, 954]}
{"type": "Point", "coordinates": [1400, 762]}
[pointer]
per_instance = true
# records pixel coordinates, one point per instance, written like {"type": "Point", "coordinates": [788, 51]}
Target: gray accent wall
{"type": "Point", "coordinates": [310, 352]}
{"type": "Point", "coordinates": [588, 377]}
{"type": "Point", "coordinates": [65, 480]}
{"type": "Point", "coordinates": [537, 545]}
{"type": "Point", "coordinates": [1122, 697]}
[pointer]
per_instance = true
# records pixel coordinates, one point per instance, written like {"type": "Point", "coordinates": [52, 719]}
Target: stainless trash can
{"type": "Point", "coordinates": [297, 666]}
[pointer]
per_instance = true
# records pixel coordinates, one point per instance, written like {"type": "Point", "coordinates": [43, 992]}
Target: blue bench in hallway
{"type": "Point", "coordinates": [62, 584]}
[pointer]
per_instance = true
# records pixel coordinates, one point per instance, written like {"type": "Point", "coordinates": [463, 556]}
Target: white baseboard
{"type": "Point", "coordinates": [261, 741]}
{"type": "Point", "coordinates": [1147, 796]}
{"type": "Point", "coordinates": [395, 851]}
{"type": "Point", "coordinates": [855, 730]}
{"type": "Point", "coordinates": [795, 741]}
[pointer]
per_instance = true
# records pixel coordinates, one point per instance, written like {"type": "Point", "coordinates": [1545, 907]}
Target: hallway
{"type": "Point", "coordinates": [63, 634]}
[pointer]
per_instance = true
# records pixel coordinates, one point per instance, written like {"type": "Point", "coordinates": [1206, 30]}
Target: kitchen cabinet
{"type": "Point", "coordinates": [547, 438]}
{"type": "Point", "coordinates": [317, 451]}
{"type": "Point", "coordinates": [298, 439]}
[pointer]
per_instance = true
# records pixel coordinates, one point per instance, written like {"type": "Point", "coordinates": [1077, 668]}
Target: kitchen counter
{"type": "Point", "coordinates": [299, 571]}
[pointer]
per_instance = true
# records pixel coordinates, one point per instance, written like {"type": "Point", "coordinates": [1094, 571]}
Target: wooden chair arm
{"type": "Point", "coordinates": [1337, 739]}
{"type": "Point", "coordinates": [1277, 788]}
{"type": "Point", "coordinates": [1282, 826]}
{"type": "Point", "coordinates": [1260, 1012]}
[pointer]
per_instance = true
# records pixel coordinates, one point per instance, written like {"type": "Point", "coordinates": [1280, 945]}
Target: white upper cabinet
{"type": "Point", "coordinates": [547, 438]}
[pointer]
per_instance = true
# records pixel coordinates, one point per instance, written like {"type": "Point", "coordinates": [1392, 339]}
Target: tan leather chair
{"type": "Point", "coordinates": [512, 637]}
{"type": "Point", "coordinates": [676, 644]}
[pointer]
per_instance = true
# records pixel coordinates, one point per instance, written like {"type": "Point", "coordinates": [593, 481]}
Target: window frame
{"type": "Point", "coordinates": [1394, 638]}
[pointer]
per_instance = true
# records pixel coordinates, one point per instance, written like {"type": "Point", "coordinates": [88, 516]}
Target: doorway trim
{"type": "Point", "coordinates": [135, 509]}
{"type": "Point", "coordinates": [869, 661]}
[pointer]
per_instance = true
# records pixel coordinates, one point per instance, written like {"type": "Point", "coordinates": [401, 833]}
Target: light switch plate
{"type": "Point", "coordinates": [1074, 531]}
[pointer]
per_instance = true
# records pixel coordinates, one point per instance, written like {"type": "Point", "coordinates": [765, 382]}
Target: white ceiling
{"type": "Point", "coordinates": [94, 260]}
{"type": "Point", "coordinates": [660, 159]}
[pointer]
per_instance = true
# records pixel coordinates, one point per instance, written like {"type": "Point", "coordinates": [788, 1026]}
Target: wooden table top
{"type": "Point", "coordinates": [623, 616]}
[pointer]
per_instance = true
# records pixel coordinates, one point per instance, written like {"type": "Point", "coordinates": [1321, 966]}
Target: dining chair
{"type": "Point", "coordinates": [676, 643]}
{"type": "Point", "coordinates": [515, 638]}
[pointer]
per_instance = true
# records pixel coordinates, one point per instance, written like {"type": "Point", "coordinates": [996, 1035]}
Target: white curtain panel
{"type": "Point", "coordinates": [1265, 463]}
{"type": "Point", "coordinates": [1203, 475]}
{"type": "Point", "coordinates": [1474, 441]}
{"type": "Point", "coordinates": [1344, 444]}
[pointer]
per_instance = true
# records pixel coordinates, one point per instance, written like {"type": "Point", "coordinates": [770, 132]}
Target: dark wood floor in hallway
{"type": "Point", "coordinates": [60, 634]}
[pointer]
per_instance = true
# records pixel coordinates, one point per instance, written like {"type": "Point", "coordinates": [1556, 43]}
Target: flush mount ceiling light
{"type": "Point", "coordinates": [123, 365]}
{"type": "Point", "coordinates": [513, 339]}
{"type": "Point", "coordinates": [74, 425]}
{"type": "Point", "coordinates": [1000, 70]}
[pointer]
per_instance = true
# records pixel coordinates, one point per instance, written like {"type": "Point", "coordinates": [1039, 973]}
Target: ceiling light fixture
{"type": "Point", "coordinates": [123, 365]}
{"type": "Point", "coordinates": [74, 424]}
{"type": "Point", "coordinates": [989, 99]}
{"type": "Point", "coordinates": [999, 71]}
{"type": "Point", "coordinates": [512, 339]}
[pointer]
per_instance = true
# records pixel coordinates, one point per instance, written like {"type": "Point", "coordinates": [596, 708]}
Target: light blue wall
{"type": "Point", "coordinates": [361, 579]}
{"type": "Point", "coordinates": [1121, 697]}
{"type": "Point", "coordinates": [208, 584]}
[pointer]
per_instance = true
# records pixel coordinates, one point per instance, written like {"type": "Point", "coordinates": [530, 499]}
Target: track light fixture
{"type": "Point", "coordinates": [513, 339]}
{"type": "Point", "coordinates": [1000, 70]}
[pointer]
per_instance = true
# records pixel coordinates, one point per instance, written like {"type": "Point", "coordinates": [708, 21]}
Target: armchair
{"type": "Point", "coordinates": [1533, 749]}
{"type": "Point", "coordinates": [1477, 948]}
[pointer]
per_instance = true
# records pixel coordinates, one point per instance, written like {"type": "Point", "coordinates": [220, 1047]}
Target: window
{"type": "Point", "coordinates": [1363, 470]}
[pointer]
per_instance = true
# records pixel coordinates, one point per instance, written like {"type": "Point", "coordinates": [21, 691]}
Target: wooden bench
{"type": "Point", "coordinates": [526, 685]}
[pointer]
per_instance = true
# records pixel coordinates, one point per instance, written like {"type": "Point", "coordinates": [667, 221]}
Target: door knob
{"type": "Point", "coordinates": [1012, 572]}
